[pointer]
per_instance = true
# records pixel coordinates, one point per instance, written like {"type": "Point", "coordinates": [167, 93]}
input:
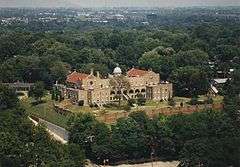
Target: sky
{"type": "Point", "coordinates": [117, 3]}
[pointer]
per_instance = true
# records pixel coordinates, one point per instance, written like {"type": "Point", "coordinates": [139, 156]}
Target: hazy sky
{"type": "Point", "coordinates": [116, 3]}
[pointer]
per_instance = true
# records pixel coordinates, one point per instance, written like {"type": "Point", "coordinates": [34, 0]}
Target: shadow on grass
{"type": "Point", "coordinates": [38, 102]}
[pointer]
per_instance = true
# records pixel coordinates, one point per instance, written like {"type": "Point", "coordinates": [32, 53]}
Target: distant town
{"type": "Point", "coordinates": [88, 87]}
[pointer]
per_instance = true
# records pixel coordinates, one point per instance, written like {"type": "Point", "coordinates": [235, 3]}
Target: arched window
{"type": "Point", "coordinates": [131, 91]}
{"type": "Point", "coordinates": [112, 92]}
{"type": "Point", "coordinates": [119, 92]}
{"type": "Point", "coordinates": [125, 92]}
{"type": "Point", "coordinates": [143, 90]}
{"type": "Point", "coordinates": [137, 91]}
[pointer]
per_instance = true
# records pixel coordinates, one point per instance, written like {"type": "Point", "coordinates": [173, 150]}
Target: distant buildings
{"type": "Point", "coordinates": [217, 85]}
{"type": "Point", "coordinates": [89, 89]}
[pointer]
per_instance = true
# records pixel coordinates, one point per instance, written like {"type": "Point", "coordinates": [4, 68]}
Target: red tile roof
{"type": "Point", "coordinates": [75, 77]}
{"type": "Point", "coordinates": [136, 73]}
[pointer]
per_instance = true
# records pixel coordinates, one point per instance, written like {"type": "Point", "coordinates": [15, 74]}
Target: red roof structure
{"type": "Point", "coordinates": [75, 77]}
{"type": "Point", "coordinates": [136, 73]}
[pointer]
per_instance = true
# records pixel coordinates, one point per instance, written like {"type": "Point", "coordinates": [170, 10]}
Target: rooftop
{"type": "Point", "coordinates": [136, 72]}
{"type": "Point", "coordinates": [221, 80]}
{"type": "Point", "coordinates": [76, 77]}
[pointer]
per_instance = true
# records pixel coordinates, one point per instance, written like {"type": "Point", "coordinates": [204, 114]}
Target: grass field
{"type": "Point", "coordinates": [45, 111]}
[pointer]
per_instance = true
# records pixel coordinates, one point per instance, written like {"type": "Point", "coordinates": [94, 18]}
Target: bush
{"type": "Point", "coordinates": [81, 103]}
{"type": "Point", "coordinates": [141, 100]}
{"type": "Point", "coordinates": [127, 108]}
{"type": "Point", "coordinates": [131, 102]}
{"type": "Point", "coordinates": [110, 105]}
{"type": "Point", "coordinates": [171, 102]}
{"type": "Point", "coordinates": [195, 101]}
{"type": "Point", "coordinates": [209, 101]}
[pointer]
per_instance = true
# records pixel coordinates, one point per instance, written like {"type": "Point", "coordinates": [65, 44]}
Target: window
{"type": "Point", "coordinates": [131, 91]}
{"type": "Point", "coordinates": [137, 91]}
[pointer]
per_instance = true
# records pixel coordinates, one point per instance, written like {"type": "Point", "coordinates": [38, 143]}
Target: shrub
{"type": "Point", "coordinates": [131, 102]}
{"type": "Point", "coordinates": [127, 108]}
{"type": "Point", "coordinates": [141, 100]}
{"type": "Point", "coordinates": [81, 103]}
{"type": "Point", "coordinates": [209, 101]}
{"type": "Point", "coordinates": [195, 101]}
{"type": "Point", "coordinates": [171, 102]}
{"type": "Point", "coordinates": [110, 105]}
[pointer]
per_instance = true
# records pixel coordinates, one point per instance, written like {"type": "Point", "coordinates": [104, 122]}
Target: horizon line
{"type": "Point", "coordinates": [94, 7]}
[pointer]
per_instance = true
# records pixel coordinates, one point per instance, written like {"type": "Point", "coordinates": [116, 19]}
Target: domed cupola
{"type": "Point", "coordinates": [117, 71]}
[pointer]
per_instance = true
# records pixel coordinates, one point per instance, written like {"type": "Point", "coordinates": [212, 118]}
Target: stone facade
{"type": "Point", "coordinates": [91, 89]}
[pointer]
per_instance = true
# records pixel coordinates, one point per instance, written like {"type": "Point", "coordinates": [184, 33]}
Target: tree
{"type": "Point", "coordinates": [8, 98]}
{"type": "Point", "coordinates": [20, 68]}
{"type": "Point", "coordinates": [59, 71]}
{"type": "Point", "coordinates": [128, 140]}
{"type": "Point", "coordinates": [172, 102]}
{"type": "Point", "coordinates": [159, 61]}
{"type": "Point", "coordinates": [76, 154]}
{"type": "Point", "coordinates": [190, 81]}
{"type": "Point", "coordinates": [23, 144]}
{"type": "Point", "coordinates": [38, 91]}
{"type": "Point", "coordinates": [232, 97]}
{"type": "Point", "coordinates": [191, 58]}
{"type": "Point", "coordinates": [206, 146]}
{"type": "Point", "coordinates": [120, 83]}
{"type": "Point", "coordinates": [91, 135]}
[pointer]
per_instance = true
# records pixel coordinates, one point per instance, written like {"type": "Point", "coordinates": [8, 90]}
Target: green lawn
{"type": "Point", "coordinates": [45, 111]}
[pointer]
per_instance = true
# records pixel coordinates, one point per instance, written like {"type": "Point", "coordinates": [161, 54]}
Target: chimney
{"type": "Point", "coordinates": [98, 74]}
{"type": "Point", "coordinates": [91, 73]}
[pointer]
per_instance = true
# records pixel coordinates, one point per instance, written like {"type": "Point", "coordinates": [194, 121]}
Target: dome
{"type": "Point", "coordinates": [117, 70]}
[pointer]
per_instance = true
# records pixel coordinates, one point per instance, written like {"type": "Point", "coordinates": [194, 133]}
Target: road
{"type": "Point", "coordinates": [149, 164]}
{"type": "Point", "coordinates": [57, 132]}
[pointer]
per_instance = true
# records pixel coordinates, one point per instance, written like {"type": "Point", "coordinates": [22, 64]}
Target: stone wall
{"type": "Point", "coordinates": [112, 118]}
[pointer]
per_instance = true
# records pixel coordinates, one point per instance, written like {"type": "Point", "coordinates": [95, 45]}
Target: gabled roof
{"type": "Point", "coordinates": [136, 73]}
{"type": "Point", "coordinates": [75, 77]}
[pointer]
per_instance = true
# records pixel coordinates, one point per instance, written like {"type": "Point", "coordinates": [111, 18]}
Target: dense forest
{"type": "Point", "coordinates": [176, 54]}
{"type": "Point", "coordinates": [23, 144]}
{"type": "Point", "coordinates": [184, 49]}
